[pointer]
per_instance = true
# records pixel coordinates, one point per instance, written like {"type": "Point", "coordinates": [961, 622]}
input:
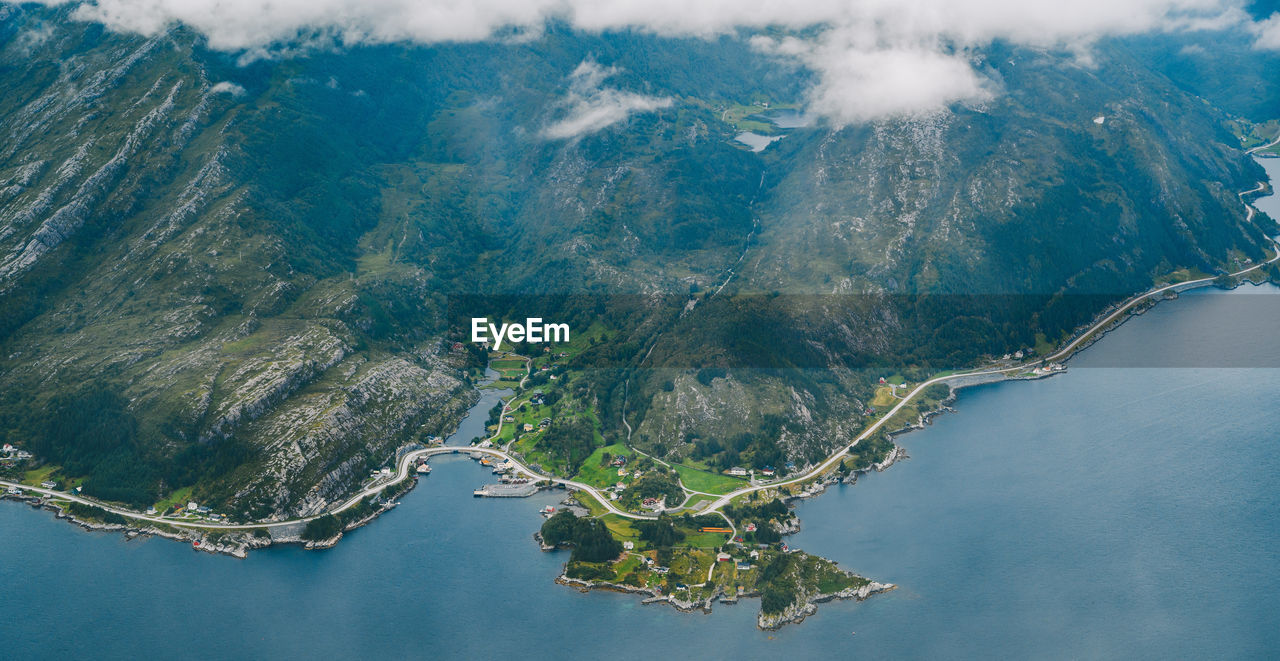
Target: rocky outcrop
{"type": "Point", "coordinates": [807, 606]}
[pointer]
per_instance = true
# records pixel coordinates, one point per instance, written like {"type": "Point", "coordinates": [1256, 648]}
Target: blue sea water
{"type": "Point", "coordinates": [1271, 203]}
{"type": "Point", "coordinates": [1108, 512]}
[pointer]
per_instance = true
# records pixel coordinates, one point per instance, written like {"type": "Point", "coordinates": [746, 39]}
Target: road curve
{"type": "Point", "coordinates": [1058, 355]}
{"type": "Point", "coordinates": [1264, 146]}
{"type": "Point", "coordinates": [403, 467]}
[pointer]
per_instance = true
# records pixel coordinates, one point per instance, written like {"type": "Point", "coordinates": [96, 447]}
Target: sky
{"type": "Point", "coordinates": [872, 59]}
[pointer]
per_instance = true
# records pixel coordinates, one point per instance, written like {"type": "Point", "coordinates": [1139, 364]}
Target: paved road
{"type": "Point", "coordinates": [1060, 354]}
{"type": "Point", "coordinates": [404, 467]}
{"type": "Point", "coordinates": [1261, 147]}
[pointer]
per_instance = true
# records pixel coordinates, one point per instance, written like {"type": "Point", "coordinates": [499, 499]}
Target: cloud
{"type": "Point", "coordinates": [873, 58]}
{"type": "Point", "coordinates": [857, 84]}
{"type": "Point", "coordinates": [1268, 32]}
{"type": "Point", "coordinates": [592, 107]}
{"type": "Point", "coordinates": [27, 41]}
{"type": "Point", "coordinates": [228, 88]}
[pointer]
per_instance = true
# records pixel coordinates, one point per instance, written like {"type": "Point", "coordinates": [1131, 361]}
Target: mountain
{"type": "Point", "coordinates": [245, 278]}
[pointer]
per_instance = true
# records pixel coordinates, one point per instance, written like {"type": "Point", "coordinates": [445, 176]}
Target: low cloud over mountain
{"type": "Point", "coordinates": [873, 58]}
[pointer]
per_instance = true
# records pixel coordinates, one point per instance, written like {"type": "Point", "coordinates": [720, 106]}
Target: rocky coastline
{"type": "Point", "coordinates": [234, 543]}
{"type": "Point", "coordinates": [795, 613]}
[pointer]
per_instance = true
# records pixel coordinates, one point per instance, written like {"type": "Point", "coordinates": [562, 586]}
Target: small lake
{"type": "Point", "coordinates": [1109, 512]}
{"type": "Point", "coordinates": [788, 118]}
{"type": "Point", "coordinates": [755, 141]}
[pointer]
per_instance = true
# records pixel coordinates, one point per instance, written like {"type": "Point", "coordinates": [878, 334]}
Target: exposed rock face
{"type": "Point", "coordinates": [806, 606]}
{"type": "Point", "coordinates": [321, 445]}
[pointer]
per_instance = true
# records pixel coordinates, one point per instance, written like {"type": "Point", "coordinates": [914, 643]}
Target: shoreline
{"type": "Point", "coordinates": [793, 614]}
{"type": "Point", "coordinates": [246, 541]}
{"type": "Point", "coordinates": [238, 542]}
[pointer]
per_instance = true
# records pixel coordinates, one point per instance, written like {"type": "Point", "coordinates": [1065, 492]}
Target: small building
{"type": "Point", "coordinates": [8, 448]}
{"type": "Point", "coordinates": [193, 506]}
{"type": "Point", "coordinates": [751, 527]}
{"type": "Point", "coordinates": [737, 470]}
{"type": "Point", "coordinates": [744, 566]}
{"type": "Point", "coordinates": [49, 484]}
{"type": "Point", "coordinates": [622, 472]}
{"type": "Point", "coordinates": [882, 380]}
{"type": "Point", "coordinates": [723, 557]}
{"type": "Point", "coordinates": [628, 545]}
{"type": "Point", "coordinates": [768, 471]}
{"type": "Point", "coordinates": [151, 511]}
{"type": "Point", "coordinates": [528, 427]}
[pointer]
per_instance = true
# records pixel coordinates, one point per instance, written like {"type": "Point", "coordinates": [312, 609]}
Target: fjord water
{"type": "Point", "coordinates": [1113, 512]}
{"type": "Point", "coordinates": [1271, 203]}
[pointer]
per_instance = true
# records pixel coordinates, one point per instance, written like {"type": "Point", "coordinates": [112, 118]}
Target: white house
{"type": "Point", "coordinates": [737, 470]}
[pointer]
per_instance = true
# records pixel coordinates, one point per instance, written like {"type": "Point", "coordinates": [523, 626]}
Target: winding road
{"type": "Point", "coordinates": [1264, 146]}
{"type": "Point", "coordinates": [405, 465]}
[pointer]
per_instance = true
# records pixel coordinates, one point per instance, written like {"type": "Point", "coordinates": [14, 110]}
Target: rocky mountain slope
{"type": "Point", "coordinates": [237, 276]}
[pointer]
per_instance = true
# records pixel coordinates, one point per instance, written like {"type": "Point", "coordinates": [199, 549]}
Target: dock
{"type": "Point", "coordinates": [506, 490]}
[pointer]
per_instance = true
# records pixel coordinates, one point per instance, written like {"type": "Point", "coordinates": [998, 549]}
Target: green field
{"type": "Point", "coordinates": [179, 497]}
{"type": "Point", "coordinates": [621, 527]}
{"type": "Point", "coordinates": [38, 475]}
{"type": "Point", "coordinates": [1252, 135]}
{"type": "Point", "coordinates": [884, 397]}
{"type": "Point", "coordinates": [738, 114]}
{"type": "Point", "coordinates": [696, 501]}
{"type": "Point", "coordinates": [708, 482]}
{"type": "Point", "coordinates": [599, 476]}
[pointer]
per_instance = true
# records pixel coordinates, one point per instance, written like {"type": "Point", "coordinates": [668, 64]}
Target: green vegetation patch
{"type": "Point", "coordinates": [707, 482]}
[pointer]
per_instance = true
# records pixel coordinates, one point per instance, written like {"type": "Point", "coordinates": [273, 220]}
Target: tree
{"type": "Point", "coordinates": [591, 540]}
{"type": "Point", "coordinates": [660, 533]}
{"type": "Point", "coordinates": [325, 527]}
{"type": "Point", "coordinates": [558, 529]}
